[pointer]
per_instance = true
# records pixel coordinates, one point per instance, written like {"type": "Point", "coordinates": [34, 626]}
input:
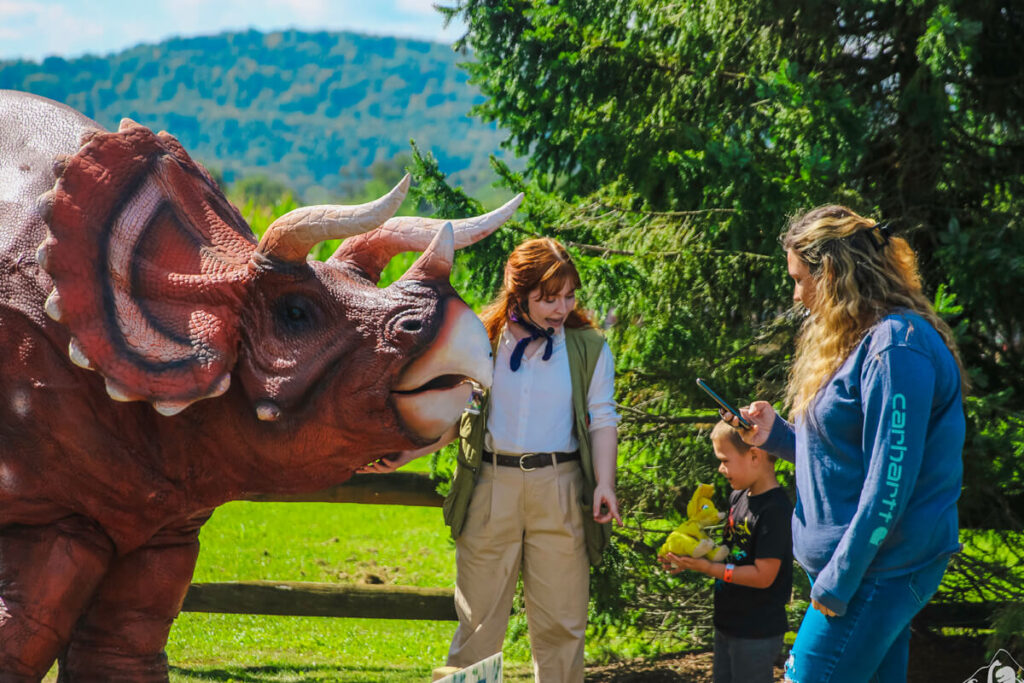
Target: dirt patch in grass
{"type": "Point", "coordinates": [670, 668]}
{"type": "Point", "coordinates": [932, 659]}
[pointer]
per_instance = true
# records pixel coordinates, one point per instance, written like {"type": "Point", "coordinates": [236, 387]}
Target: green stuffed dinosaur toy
{"type": "Point", "coordinates": [689, 538]}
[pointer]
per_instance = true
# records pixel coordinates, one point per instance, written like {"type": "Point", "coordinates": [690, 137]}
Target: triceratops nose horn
{"type": "Point", "coordinates": [436, 262]}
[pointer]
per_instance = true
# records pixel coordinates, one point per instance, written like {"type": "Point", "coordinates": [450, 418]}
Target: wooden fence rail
{"type": "Point", "coordinates": [957, 614]}
{"type": "Point", "coordinates": [397, 488]}
{"type": "Point", "coordinates": [308, 599]}
{"type": "Point", "coordinates": [301, 598]}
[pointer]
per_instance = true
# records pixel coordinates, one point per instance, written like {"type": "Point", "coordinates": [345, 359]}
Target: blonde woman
{"type": "Point", "coordinates": [877, 433]}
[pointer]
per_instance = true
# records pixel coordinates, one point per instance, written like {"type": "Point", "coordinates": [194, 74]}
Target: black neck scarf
{"type": "Point", "coordinates": [535, 333]}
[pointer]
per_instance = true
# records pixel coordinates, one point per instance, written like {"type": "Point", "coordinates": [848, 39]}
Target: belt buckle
{"type": "Point", "coordinates": [523, 457]}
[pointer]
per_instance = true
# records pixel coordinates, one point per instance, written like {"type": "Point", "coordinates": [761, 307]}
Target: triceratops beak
{"type": "Point", "coordinates": [432, 391]}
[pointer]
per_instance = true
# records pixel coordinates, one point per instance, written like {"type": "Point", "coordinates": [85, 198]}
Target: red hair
{"type": "Point", "coordinates": [543, 263]}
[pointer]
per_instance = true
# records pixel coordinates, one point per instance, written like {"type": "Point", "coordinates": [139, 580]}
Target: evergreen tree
{"type": "Point", "coordinates": [668, 141]}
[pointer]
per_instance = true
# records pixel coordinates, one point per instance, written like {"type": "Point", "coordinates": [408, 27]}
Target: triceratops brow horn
{"type": "Point", "coordinates": [371, 251]}
{"type": "Point", "coordinates": [290, 237]}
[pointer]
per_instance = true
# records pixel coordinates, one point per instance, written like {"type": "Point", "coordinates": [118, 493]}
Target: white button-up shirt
{"type": "Point", "coordinates": [531, 409]}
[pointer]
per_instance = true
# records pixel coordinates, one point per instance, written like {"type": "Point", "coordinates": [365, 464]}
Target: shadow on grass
{"type": "Point", "coordinates": [294, 673]}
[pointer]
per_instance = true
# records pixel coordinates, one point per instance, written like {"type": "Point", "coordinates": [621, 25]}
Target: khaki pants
{"type": "Point", "coordinates": [530, 521]}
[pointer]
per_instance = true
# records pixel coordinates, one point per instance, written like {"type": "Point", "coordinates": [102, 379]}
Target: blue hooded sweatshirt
{"type": "Point", "coordinates": [878, 461]}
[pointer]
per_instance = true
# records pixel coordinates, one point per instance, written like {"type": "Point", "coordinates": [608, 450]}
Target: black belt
{"type": "Point", "coordinates": [529, 461]}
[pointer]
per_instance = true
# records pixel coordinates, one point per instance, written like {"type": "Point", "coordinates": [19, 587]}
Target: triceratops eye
{"type": "Point", "coordinates": [294, 313]}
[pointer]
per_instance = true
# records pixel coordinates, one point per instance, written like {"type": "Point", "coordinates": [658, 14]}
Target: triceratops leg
{"type": "Point", "coordinates": [122, 635]}
{"type": "Point", "coordinates": [48, 574]}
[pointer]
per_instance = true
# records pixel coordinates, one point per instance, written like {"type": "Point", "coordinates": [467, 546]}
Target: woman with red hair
{"type": "Point", "coordinates": [534, 487]}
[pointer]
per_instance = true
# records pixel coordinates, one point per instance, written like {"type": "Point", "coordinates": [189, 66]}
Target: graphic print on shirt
{"type": "Point", "coordinates": [737, 536]}
{"type": "Point", "coordinates": [894, 471]}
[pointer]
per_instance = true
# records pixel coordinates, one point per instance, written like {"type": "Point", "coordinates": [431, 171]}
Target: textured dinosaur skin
{"type": "Point", "coordinates": [273, 377]}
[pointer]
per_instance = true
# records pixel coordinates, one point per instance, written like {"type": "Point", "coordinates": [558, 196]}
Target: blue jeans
{"type": "Point", "coordinates": [745, 660]}
{"type": "Point", "coordinates": [871, 642]}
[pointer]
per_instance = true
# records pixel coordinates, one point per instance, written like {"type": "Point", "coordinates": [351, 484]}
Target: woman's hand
{"type": "Point", "coordinates": [674, 564]}
{"type": "Point", "coordinates": [817, 605]}
{"type": "Point", "coordinates": [389, 463]}
{"type": "Point", "coordinates": [604, 447]}
{"type": "Point", "coordinates": [761, 417]}
{"type": "Point", "coordinates": [604, 496]}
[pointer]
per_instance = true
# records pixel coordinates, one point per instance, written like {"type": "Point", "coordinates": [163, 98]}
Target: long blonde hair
{"type": "Point", "coordinates": [861, 274]}
{"type": "Point", "coordinates": [541, 262]}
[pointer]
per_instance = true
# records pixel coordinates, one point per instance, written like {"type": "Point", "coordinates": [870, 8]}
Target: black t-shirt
{"type": "Point", "coordinates": [757, 527]}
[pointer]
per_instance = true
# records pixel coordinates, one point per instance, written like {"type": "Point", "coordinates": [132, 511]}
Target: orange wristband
{"type": "Point", "coordinates": [727, 577]}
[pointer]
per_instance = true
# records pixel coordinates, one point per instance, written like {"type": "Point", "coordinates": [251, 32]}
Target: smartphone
{"type": "Point", "coordinates": [722, 403]}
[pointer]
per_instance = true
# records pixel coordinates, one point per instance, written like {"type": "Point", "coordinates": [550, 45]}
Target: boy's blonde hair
{"type": "Point", "coordinates": [723, 431]}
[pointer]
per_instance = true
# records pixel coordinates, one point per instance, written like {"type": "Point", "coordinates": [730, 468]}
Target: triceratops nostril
{"type": "Point", "coordinates": [412, 325]}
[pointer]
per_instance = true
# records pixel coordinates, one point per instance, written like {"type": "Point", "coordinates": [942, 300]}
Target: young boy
{"type": "Point", "coordinates": [755, 581]}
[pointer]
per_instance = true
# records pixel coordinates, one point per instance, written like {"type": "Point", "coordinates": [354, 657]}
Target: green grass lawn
{"type": "Point", "coordinates": [315, 542]}
{"type": "Point", "coordinates": [342, 543]}
{"type": "Point", "coordinates": [324, 542]}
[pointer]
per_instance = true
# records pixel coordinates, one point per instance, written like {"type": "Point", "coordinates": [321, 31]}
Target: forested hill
{"type": "Point", "coordinates": [313, 110]}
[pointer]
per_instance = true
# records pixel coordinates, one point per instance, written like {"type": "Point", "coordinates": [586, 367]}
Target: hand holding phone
{"type": "Point", "coordinates": [722, 403]}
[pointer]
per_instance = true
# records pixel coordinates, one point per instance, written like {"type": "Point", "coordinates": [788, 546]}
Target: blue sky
{"type": "Point", "coordinates": [34, 29]}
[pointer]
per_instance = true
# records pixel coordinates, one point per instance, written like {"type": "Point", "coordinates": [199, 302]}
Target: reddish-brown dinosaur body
{"type": "Point", "coordinates": [157, 362]}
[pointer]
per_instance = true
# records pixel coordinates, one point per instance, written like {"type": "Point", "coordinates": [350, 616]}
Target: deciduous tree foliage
{"type": "Point", "coordinates": [668, 141]}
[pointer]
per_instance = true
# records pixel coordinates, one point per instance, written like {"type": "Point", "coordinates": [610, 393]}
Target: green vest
{"type": "Point", "coordinates": [584, 347]}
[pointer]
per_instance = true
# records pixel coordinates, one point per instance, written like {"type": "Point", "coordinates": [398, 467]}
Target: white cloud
{"type": "Point", "coordinates": [46, 28]}
{"type": "Point", "coordinates": [16, 17]}
{"type": "Point", "coordinates": [10, 8]}
{"type": "Point", "coordinates": [319, 11]}
{"type": "Point", "coordinates": [33, 29]}
{"type": "Point", "coordinates": [418, 6]}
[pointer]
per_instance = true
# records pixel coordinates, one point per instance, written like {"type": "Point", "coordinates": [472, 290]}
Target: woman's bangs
{"type": "Point", "coordinates": [555, 279]}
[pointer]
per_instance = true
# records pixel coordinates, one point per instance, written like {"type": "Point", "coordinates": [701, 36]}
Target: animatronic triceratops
{"type": "Point", "coordinates": [155, 362]}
